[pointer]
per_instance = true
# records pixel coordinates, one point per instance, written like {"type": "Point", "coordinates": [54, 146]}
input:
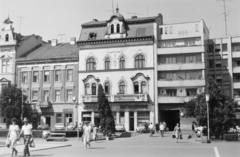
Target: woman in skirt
{"type": "Point", "coordinates": [13, 135]}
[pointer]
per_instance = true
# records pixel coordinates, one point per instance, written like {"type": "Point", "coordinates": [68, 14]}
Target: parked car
{"type": "Point", "coordinates": [59, 126]}
{"type": "Point", "coordinates": [120, 127]}
{"type": "Point", "coordinates": [140, 128]}
{"type": "Point", "coordinates": [43, 127]}
{"type": "Point", "coordinates": [3, 126]}
{"type": "Point", "coordinates": [71, 126]}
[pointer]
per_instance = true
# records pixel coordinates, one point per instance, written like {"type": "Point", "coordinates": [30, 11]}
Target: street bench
{"type": "Point", "coordinates": [57, 136]}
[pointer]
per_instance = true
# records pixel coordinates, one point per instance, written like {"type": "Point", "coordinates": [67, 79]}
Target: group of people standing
{"type": "Point", "coordinates": [162, 127]}
{"type": "Point", "coordinates": [87, 128]}
{"type": "Point", "coordinates": [15, 133]}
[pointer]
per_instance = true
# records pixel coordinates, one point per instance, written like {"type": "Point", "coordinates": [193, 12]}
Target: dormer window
{"type": "Point", "coordinates": [118, 28]}
{"type": "Point", "coordinates": [92, 36]}
{"type": "Point", "coordinates": [112, 28]}
{"type": "Point", "coordinates": [7, 38]}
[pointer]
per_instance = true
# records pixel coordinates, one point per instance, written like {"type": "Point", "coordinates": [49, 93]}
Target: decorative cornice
{"type": "Point", "coordinates": [116, 40]}
{"type": "Point", "coordinates": [53, 60]}
{"type": "Point", "coordinates": [139, 74]}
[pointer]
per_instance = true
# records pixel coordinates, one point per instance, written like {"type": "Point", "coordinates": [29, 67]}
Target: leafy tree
{"type": "Point", "coordinates": [107, 123]}
{"type": "Point", "coordinates": [11, 102]}
{"type": "Point", "coordinates": [221, 109]}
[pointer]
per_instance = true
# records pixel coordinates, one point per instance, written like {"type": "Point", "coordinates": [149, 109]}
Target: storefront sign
{"type": "Point", "coordinates": [134, 107]}
{"type": "Point", "coordinates": [90, 107]}
{"type": "Point", "coordinates": [67, 110]}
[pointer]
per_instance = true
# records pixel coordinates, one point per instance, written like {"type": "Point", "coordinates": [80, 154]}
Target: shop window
{"type": "Point", "coordinates": [7, 38]}
{"type": "Point", "coordinates": [122, 88]}
{"type": "Point", "coordinates": [35, 76]}
{"type": "Point", "coordinates": [69, 95]}
{"type": "Point", "coordinates": [107, 88]}
{"type": "Point", "coordinates": [86, 116]}
{"type": "Point", "coordinates": [191, 92]}
{"type": "Point", "coordinates": [94, 89]}
{"type": "Point", "coordinates": [69, 75]}
{"type": "Point", "coordinates": [90, 64]}
{"type": "Point", "coordinates": [87, 89]}
{"type": "Point", "coordinates": [46, 76]}
{"type": "Point", "coordinates": [34, 96]}
{"type": "Point", "coordinates": [171, 92]}
{"type": "Point", "coordinates": [24, 77]}
{"type": "Point", "coordinates": [112, 28]}
{"type": "Point", "coordinates": [68, 118]}
{"type": "Point", "coordinates": [59, 118]}
{"type": "Point", "coordinates": [122, 63]}
{"type": "Point", "coordinates": [118, 28]}
{"type": "Point", "coordinates": [57, 95]}
{"type": "Point", "coordinates": [144, 87]}
{"type": "Point", "coordinates": [107, 63]}
{"type": "Point", "coordinates": [139, 61]}
{"type": "Point", "coordinates": [45, 95]}
{"type": "Point", "coordinates": [57, 75]}
{"type": "Point", "coordinates": [143, 117]}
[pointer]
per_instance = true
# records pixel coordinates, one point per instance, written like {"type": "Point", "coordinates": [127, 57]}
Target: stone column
{"type": "Point", "coordinates": [135, 119]}
{"type": "Point", "coordinates": [126, 114]}
{"type": "Point", "coordinates": [118, 117]}
{"type": "Point", "coordinates": [92, 118]}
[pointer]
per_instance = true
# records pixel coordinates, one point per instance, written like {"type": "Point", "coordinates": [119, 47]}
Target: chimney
{"type": "Point", "coordinates": [134, 17]}
{"type": "Point", "coordinates": [95, 20]}
{"type": "Point", "coordinates": [73, 41]}
{"type": "Point", "coordinates": [54, 42]}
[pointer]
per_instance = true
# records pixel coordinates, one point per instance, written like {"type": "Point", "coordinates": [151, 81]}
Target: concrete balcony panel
{"type": "Point", "coordinates": [236, 69]}
{"type": "Point", "coordinates": [181, 66]}
{"type": "Point", "coordinates": [236, 85]}
{"type": "Point", "coordinates": [236, 54]}
{"type": "Point", "coordinates": [174, 99]}
{"type": "Point", "coordinates": [181, 83]}
{"type": "Point", "coordinates": [179, 50]}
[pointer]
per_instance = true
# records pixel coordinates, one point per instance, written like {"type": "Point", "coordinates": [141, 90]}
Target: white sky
{"type": "Point", "coordinates": [49, 18]}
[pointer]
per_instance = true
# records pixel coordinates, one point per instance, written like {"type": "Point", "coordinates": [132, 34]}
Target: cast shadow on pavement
{"type": "Point", "coordinates": [37, 155]}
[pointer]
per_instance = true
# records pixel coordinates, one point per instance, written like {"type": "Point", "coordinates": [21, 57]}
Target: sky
{"type": "Point", "coordinates": [51, 18]}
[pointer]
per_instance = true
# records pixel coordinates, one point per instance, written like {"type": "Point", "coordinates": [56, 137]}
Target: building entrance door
{"type": "Point", "coordinates": [68, 118]}
{"type": "Point", "coordinates": [170, 117]}
{"type": "Point", "coordinates": [48, 121]}
{"type": "Point", "coordinates": [131, 121]}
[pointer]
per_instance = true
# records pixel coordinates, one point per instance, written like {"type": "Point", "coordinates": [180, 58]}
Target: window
{"type": "Point", "coordinates": [94, 89]}
{"type": "Point", "coordinates": [91, 64]}
{"type": "Point", "coordinates": [107, 88]}
{"type": "Point", "coordinates": [136, 87]}
{"type": "Point", "coordinates": [218, 65]}
{"type": "Point", "coordinates": [236, 47]}
{"type": "Point", "coordinates": [140, 61]}
{"type": "Point", "coordinates": [118, 28]}
{"type": "Point", "coordinates": [143, 117]}
{"type": "Point", "coordinates": [112, 28]}
{"type": "Point", "coordinates": [165, 30]}
{"type": "Point", "coordinates": [57, 95]}
{"type": "Point", "coordinates": [210, 48]}
{"type": "Point", "coordinates": [92, 36]}
{"type": "Point", "coordinates": [191, 92]}
{"type": "Point", "coordinates": [35, 76]}
{"type": "Point", "coordinates": [161, 31]}
{"type": "Point", "coordinates": [7, 38]}
{"type": "Point", "coordinates": [24, 77]}
{"type": "Point", "coordinates": [5, 65]}
{"type": "Point", "coordinates": [59, 118]}
{"type": "Point", "coordinates": [196, 28]}
{"type": "Point", "coordinates": [224, 47]}
{"type": "Point", "coordinates": [170, 60]}
{"type": "Point", "coordinates": [171, 92]}
{"type": "Point", "coordinates": [87, 89]}
{"type": "Point", "coordinates": [219, 80]}
{"type": "Point", "coordinates": [57, 75]}
{"type": "Point", "coordinates": [122, 63]}
{"type": "Point", "coordinates": [225, 62]}
{"type": "Point", "coordinates": [144, 87]}
{"type": "Point", "coordinates": [107, 63]}
{"type": "Point", "coordinates": [171, 30]}
{"type": "Point", "coordinates": [69, 75]}
{"type": "Point", "coordinates": [45, 95]}
{"type": "Point", "coordinates": [217, 48]}
{"type": "Point", "coordinates": [35, 96]}
{"type": "Point", "coordinates": [69, 95]}
{"type": "Point", "coordinates": [46, 76]}
{"type": "Point", "coordinates": [211, 63]}
{"type": "Point", "coordinates": [122, 88]}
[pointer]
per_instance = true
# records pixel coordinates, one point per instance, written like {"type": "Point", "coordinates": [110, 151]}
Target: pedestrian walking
{"type": "Point", "coordinates": [94, 135]}
{"type": "Point", "coordinates": [177, 132]}
{"type": "Point", "coordinates": [27, 133]}
{"type": "Point", "coordinates": [86, 136]}
{"type": "Point", "coordinates": [13, 135]}
{"type": "Point", "coordinates": [162, 129]}
{"type": "Point", "coordinates": [157, 127]}
{"type": "Point", "coordinates": [151, 129]}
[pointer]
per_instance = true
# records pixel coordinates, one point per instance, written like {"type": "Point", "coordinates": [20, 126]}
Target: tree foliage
{"type": "Point", "coordinates": [11, 102]}
{"type": "Point", "coordinates": [107, 123]}
{"type": "Point", "coordinates": [221, 109]}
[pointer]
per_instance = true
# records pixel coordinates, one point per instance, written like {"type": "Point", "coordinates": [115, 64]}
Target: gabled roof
{"type": "Point", "coordinates": [8, 21]}
{"type": "Point", "coordinates": [47, 51]}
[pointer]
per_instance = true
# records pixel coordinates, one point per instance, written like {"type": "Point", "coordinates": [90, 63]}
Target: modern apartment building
{"type": "Point", "coordinates": [48, 75]}
{"type": "Point", "coordinates": [118, 53]}
{"type": "Point", "coordinates": [181, 67]}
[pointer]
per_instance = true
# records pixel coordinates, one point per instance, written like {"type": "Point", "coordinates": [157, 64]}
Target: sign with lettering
{"type": "Point", "coordinates": [133, 106]}
{"type": "Point", "coordinates": [67, 110]}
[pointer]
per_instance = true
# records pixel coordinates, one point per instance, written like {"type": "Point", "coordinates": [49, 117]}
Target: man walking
{"type": "Point", "coordinates": [161, 129]}
{"type": "Point", "coordinates": [27, 133]}
{"type": "Point", "coordinates": [151, 130]}
{"type": "Point", "coordinates": [157, 127]}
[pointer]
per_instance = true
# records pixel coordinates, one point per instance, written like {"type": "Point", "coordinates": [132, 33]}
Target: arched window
{"type": "Point", "coordinates": [144, 87]}
{"type": "Point", "coordinates": [118, 28]}
{"type": "Point", "coordinates": [112, 28]}
{"type": "Point", "coordinates": [7, 37]}
{"type": "Point", "coordinates": [87, 89]}
{"type": "Point", "coordinates": [107, 88]}
{"type": "Point", "coordinates": [139, 61]}
{"type": "Point", "coordinates": [122, 63]}
{"type": "Point", "coordinates": [90, 64]}
{"type": "Point", "coordinates": [136, 87]}
{"type": "Point", "coordinates": [107, 63]}
{"type": "Point", "coordinates": [122, 88]}
{"type": "Point", "coordinates": [94, 89]}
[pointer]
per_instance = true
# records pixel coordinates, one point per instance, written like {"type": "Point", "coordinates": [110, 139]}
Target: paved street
{"type": "Point", "coordinates": [140, 145]}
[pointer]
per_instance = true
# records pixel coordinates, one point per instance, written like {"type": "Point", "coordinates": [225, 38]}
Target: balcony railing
{"type": "Point", "coordinates": [181, 82]}
{"type": "Point", "coordinates": [181, 66]}
{"type": "Point", "coordinates": [44, 104]}
{"type": "Point", "coordinates": [174, 99]}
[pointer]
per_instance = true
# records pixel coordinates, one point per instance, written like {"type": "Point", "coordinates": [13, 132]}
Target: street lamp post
{"type": "Point", "coordinates": [74, 100]}
{"type": "Point", "coordinates": [208, 129]}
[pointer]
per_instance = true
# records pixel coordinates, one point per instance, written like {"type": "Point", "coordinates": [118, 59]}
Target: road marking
{"type": "Point", "coordinates": [216, 152]}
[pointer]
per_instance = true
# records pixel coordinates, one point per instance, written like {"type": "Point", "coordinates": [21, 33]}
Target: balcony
{"type": "Point", "coordinates": [174, 99]}
{"type": "Point", "coordinates": [181, 66]}
{"type": "Point", "coordinates": [236, 85]}
{"type": "Point", "coordinates": [43, 104]}
{"type": "Point", "coordinates": [236, 69]}
{"type": "Point", "coordinates": [181, 83]}
{"type": "Point", "coordinates": [117, 98]}
{"type": "Point", "coordinates": [179, 50]}
{"type": "Point", "coordinates": [236, 54]}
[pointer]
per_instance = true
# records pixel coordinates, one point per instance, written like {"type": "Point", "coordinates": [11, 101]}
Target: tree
{"type": "Point", "coordinates": [11, 102]}
{"type": "Point", "coordinates": [222, 109]}
{"type": "Point", "coordinates": [107, 123]}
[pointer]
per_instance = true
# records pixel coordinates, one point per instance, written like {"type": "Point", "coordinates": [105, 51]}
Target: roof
{"type": "Point", "coordinates": [47, 51]}
{"type": "Point", "coordinates": [8, 21]}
